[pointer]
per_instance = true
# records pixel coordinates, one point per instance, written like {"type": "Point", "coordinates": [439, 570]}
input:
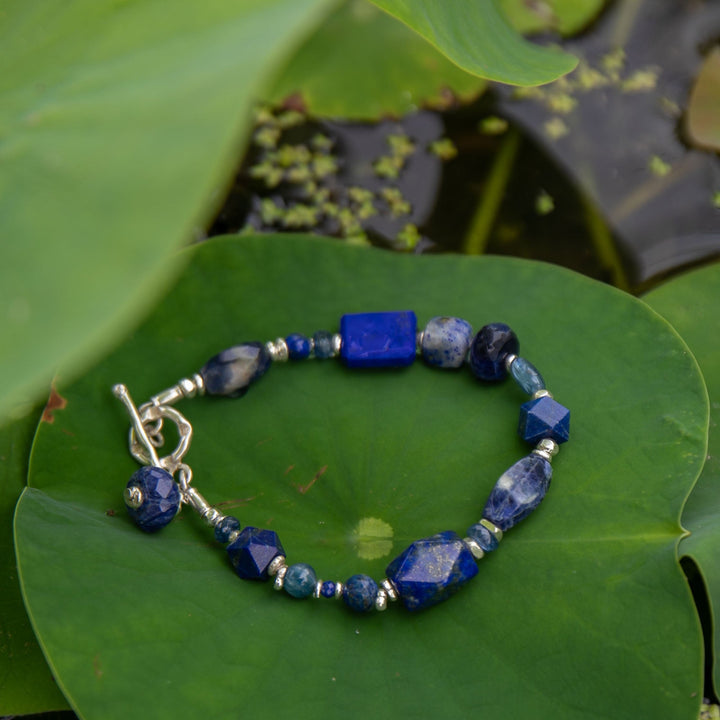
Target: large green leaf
{"type": "Point", "coordinates": [583, 612]}
{"type": "Point", "coordinates": [690, 302]}
{"type": "Point", "coordinates": [565, 16]}
{"type": "Point", "coordinates": [477, 38]}
{"type": "Point", "coordinates": [119, 124]}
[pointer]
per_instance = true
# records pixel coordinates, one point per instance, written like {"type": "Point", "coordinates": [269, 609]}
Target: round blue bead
{"type": "Point", "coordinates": [322, 340]}
{"type": "Point", "coordinates": [300, 580]}
{"type": "Point", "coordinates": [527, 376]}
{"type": "Point", "coordinates": [327, 590]}
{"type": "Point", "coordinates": [160, 498]}
{"type": "Point", "coordinates": [298, 346]}
{"type": "Point", "coordinates": [359, 593]}
{"type": "Point", "coordinates": [445, 342]}
{"type": "Point", "coordinates": [489, 350]}
{"type": "Point", "coordinates": [225, 528]}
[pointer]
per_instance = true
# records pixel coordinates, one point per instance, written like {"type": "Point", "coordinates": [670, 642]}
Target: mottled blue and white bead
{"type": "Point", "coordinates": [446, 341]}
{"type": "Point", "coordinates": [231, 372]}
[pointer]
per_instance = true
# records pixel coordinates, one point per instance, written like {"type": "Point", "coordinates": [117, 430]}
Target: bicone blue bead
{"type": "Point", "coordinates": [160, 498]}
{"type": "Point", "coordinates": [527, 376]}
{"type": "Point", "coordinates": [518, 492]}
{"type": "Point", "coordinates": [384, 339]}
{"type": "Point", "coordinates": [445, 342]}
{"type": "Point", "coordinates": [323, 344]}
{"type": "Point", "coordinates": [225, 528]}
{"type": "Point", "coordinates": [231, 372]}
{"type": "Point", "coordinates": [483, 537]}
{"type": "Point", "coordinates": [252, 552]}
{"type": "Point", "coordinates": [359, 593]}
{"type": "Point", "coordinates": [327, 589]}
{"type": "Point", "coordinates": [298, 346]}
{"type": "Point", "coordinates": [544, 418]}
{"type": "Point", "coordinates": [490, 349]}
{"type": "Point", "coordinates": [300, 580]}
{"type": "Point", "coordinates": [431, 570]}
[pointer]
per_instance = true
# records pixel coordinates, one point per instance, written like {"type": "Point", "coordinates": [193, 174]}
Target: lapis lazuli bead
{"type": "Point", "coordinates": [298, 346]}
{"type": "Point", "coordinates": [160, 498]}
{"type": "Point", "coordinates": [431, 570]}
{"type": "Point", "coordinates": [483, 537]}
{"type": "Point", "coordinates": [327, 589]}
{"type": "Point", "coordinates": [527, 376]}
{"type": "Point", "coordinates": [323, 345]}
{"type": "Point", "coordinates": [518, 492]}
{"type": "Point", "coordinates": [544, 417]}
{"type": "Point", "coordinates": [231, 372]}
{"type": "Point", "coordinates": [490, 349]}
{"type": "Point", "coordinates": [226, 527]}
{"type": "Point", "coordinates": [252, 552]}
{"type": "Point", "coordinates": [300, 580]}
{"type": "Point", "coordinates": [445, 342]}
{"type": "Point", "coordinates": [384, 339]}
{"type": "Point", "coordinates": [359, 593]}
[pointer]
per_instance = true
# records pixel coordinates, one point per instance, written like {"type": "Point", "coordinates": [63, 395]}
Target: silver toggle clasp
{"type": "Point", "coordinates": [145, 435]}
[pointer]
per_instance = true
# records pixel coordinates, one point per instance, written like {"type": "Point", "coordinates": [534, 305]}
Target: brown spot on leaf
{"type": "Point", "coordinates": [289, 469]}
{"type": "Point", "coordinates": [55, 402]}
{"type": "Point", "coordinates": [97, 668]}
{"type": "Point", "coordinates": [302, 489]}
{"type": "Point", "coordinates": [295, 102]}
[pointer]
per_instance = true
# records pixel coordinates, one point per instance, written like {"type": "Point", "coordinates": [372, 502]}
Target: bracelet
{"type": "Point", "coordinates": [430, 569]}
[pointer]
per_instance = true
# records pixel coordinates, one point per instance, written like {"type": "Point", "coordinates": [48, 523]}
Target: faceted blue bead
{"type": "Point", "coordinates": [300, 580]}
{"type": "Point", "coordinates": [231, 372]}
{"type": "Point", "coordinates": [225, 528]}
{"type": "Point", "coordinates": [544, 418]}
{"type": "Point", "coordinates": [526, 375]}
{"type": "Point", "coordinates": [385, 339]}
{"type": "Point", "coordinates": [298, 346]}
{"type": "Point", "coordinates": [489, 350]}
{"type": "Point", "coordinates": [483, 537]}
{"type": "Point", "coordinates": [431, 569]}
{"type": "Point", "coordinates": [446, 341]}
{"type": "Point", "coordinates": [359, 593]}
{"type": "Point", "coordinates": [323, 345]}
{"type": "Point", "coordinates": [160, 498]}
{"type": "Point", "coordinates": [252, 552]}
{"type": "Point", "coordinates": [518, 492]}
{"type": "Point", "coordinates": [327, 590]}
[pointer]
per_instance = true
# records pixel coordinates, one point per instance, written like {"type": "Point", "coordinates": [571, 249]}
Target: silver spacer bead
{"type": "Point", "coordinates": [389, 587]}
{"type": "Point", "coordinates": [336, 344]}
{"type": "Point", "coordinates": [339, 588]}
{"type": "Point", "coordinates": [280, 578]}
{"type": "Point", "coordinates": [381, 600]}
{"type": "Point", "coordinates": [202, 507]}
{"type": "Point", "coordinates": [541, 393]}
{"type": "Point", "coordinates": [509, 360]}
{"type": "Point", "coordinates": [278, 350]}
{"type": "Point", "coordinates": [494, 529]}
{"type": "Point", "coordinates": [233, 536]}
{"type": "Point", "coordinates": [477, 552]}
{"type": "Point", "coordinates": [133, 497]}
{"type": "Point", "coordinates": [199, 384]}
{"type": "Point", "coordinates": [317, 589]}
{"type": "Point", "coordinates": [419, 341]}
{"type": "Point", "coordinates": [212, 516]}
{"type": "Point", "coordinates": [275, 565]}
{"type": "Point", "coordinates": [546, 448]}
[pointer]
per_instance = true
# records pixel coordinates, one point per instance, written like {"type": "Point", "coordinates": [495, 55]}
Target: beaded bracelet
{"type": "Point", "coordinates": [430, 569]}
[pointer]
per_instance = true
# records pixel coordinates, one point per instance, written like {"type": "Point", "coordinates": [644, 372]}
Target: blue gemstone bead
{"type": "Point", "coordinates": [300, 580]}
{"type": "Point", "coordinates": [446, 341]}
{"type": "Point", "coordinates": [359, 593]}
{"type": "Point", "coordinates": [527, 376]}
{"type": "Point", "coordinates": [323, 344]}
{"type": "Point", "coordinates": [518, 492]}
{"type": "Point", "coordinates": [298, 346]}
{"type": "Point", "coordinates": [225, 528]}
{"type": "Point", "coordinates": [231, 372]}
{"type": "Point", "coordinates": [483, 537]}
{"type": "Point", "coordinates": [431, 570]}
{"type": "Point", "coordinates": [161, 498]}
{"type": "Point", "coordinates": [385, 339]}
{"type": "Point", "coordinates": [544, 418]}
{"type": "Point", "coordinates": [489, 350]}
{"type": "Point", "coordinates": [327, 589]}
{"type": "Point", "coordinates": [252, 552]}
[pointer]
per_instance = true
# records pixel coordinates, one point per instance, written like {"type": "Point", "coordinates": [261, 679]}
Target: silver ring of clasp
{"type": "Point", "coordinates": [150, 413]}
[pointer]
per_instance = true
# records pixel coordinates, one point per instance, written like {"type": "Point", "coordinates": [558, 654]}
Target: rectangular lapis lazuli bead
{"type": "Point", "coordinates": [384, 339]}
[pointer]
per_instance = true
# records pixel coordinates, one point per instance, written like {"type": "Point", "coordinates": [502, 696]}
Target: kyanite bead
{"type": "Point", "coordinates": [298, 346]}
{"type": "Point", "coordinates": [384, 339]}
{"type": "Point", "coordinates": [359, 593]}
{"type": "Point", "coordinates": [252, 552]}
{"type": "Point", "coordinates": [300, 580]}
{"type": "Point", "coordinates": [160, 498]}
{"type": "Point", "coordinates": [518, 492]}
{"type": "Point", "coordinates": [544, 418]}
{"type": "Point", "coordinates": [483, 537]}
{"type": "Point", "coordinates": [526, 375]}
{"type": "Point", "coordinates": [431, 570]}
{"type": "Point", "coordinates": [327, 590]}
{"type": "Point", "coordinates": [231, 372]}
{"type": "Point", "coordinates": [323, 344]}
{"type": "Point", "coordinates": [445, 342]}
{"type": "Point", "coordinates": [226, 527]}
{"type": "Point", "coordinates": [489, 350]}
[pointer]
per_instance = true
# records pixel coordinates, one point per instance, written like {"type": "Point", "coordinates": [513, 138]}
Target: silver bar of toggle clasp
{"type": "Point", "coordinates": [121, 392]}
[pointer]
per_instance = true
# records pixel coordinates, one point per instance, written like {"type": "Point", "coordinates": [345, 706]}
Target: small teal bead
{"type": "Point", "coordinates": [225, 528]}
{"type": "Point", "coordinates": [483, 537]}
{"type": "Point", "coordinates": [323, 345]}
{"type": "Point", "coordinates": [445, 342]}
{"type": "Point", "coordinates": [300, 580]}
{"type": "Point", "coordinates": [359, 593]}
{"type": "Point", "coordinates": [527, 376]}
{"type": "Point", "coordinates": [542, 418]}
{"type": "Point", "coordinates": [298, 346]}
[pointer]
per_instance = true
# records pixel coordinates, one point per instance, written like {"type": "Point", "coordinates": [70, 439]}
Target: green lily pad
{"type": "Point", "coordinates": [690, 303]}
{"type": "Point", "coordinates": [566, 16]}
{"type": "Point", "coordinates": [583, 611]}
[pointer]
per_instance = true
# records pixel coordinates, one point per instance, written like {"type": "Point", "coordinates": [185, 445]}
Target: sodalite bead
{"type": "Point", "coordinates": [445, 342]}
{"type": "Point", "coordinates": [225, 528]}
{"type": "Point", "coordinates": [298, 346]}
{"type": "Point", "coordinates": [518, 492]}
{"type": "Point", "coordinates": [385, 339]}
{"type": "Point", "coordinates": [527, 376]}
{"type": "Point", "coordinates": [431, 570]}
{"type": "Point", "coordinates": [161, 498]}
{"type": "Point", "coordinates": [483, 537]}
{"type": "Point", "coordinates": [252, 551]}
{"type": "Point", "coordinates": [489, 350]}
{"type": "Point", "coordinates": [231, 372]}
{"type": "Point", "coordinates": [322, 344]}
{"type": "Point", "coordinates": [327, 590]}
{"type": "Point", "coordinates": [300, 580]}
{"type": "Point", "coordinates": [544, 418]}
{"type": "Point", "coordinates": [359, 593]}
